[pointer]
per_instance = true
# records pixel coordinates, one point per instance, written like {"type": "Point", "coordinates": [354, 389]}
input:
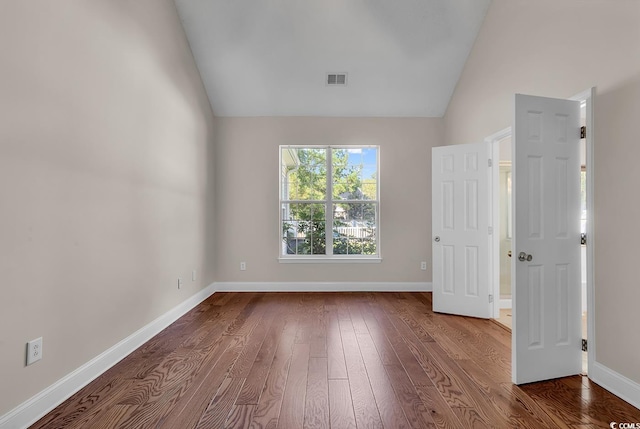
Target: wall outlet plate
{"type": "Point", "coordinates": [34, 351]}
{"type": "Point", "coordinates": [243, 266]}
{"type": "Point", "coordinates": [179, 282]}
{"type": "Point", "coordinates": [193, 275]}
{"type": "Point", "coordinates": [423, 266]}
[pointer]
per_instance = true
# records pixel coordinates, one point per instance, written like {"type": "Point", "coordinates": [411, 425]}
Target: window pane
{"type": "Point", "coordinates": [353, 204]}
{"type": "Point", "coordinates": [304, 173]}
{"type": "Point", "coordinates": [355, 173]}
{"type": "Point", "coordinates": [354, 228]}
{"type": "Point", "coordinates": [303, 229]}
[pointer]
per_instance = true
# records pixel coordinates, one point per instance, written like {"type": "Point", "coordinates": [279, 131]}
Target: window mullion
{"type": "Point", "coordinates": [328, 212]}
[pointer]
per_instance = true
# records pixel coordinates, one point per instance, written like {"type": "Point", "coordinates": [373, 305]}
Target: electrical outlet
{"type": "Point", "coordinates": [423, 266]}
{"type": "Point", "coordinates": [243, 266]}
{"type": "Point", "coordinates": [179, 282]}
{"type": "Point", "coordinates": [193, 275]}
{"type": "Point", "coordinates": [34, 351]}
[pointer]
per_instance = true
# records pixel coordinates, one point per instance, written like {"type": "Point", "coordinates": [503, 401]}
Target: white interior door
{"type": "Point", "coordinates": [546, 335]}
{"type": "Point", "coordinates": [460, 227]}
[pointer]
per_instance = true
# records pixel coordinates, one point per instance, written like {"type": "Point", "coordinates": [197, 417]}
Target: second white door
{"type": "Point", "coordinates": [546, 340]}
{"type": "Point", "coordinates": [460, 227]}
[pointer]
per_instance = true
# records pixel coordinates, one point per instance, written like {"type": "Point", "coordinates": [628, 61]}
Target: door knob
{"type": "Point", "coordinates": [524, 257]}
{"type": "Point", "coordinates": [437, 239]}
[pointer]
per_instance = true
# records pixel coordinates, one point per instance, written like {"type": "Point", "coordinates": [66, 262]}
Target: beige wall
{"type": "Point", "coordinates": [247, 196]}
{"type": "Point", "coordinates": [558, 49]}
{"type": "Point", "coordinates": [105, 193]}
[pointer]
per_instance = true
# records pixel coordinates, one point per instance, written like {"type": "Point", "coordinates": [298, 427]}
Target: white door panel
{"type": "Point", "coordinates": [546, 284]}
{"type": "Point", "coordinates": [460, 226]}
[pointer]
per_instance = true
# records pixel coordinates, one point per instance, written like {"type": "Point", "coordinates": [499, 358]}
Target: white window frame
{"type": "Point", "coordinates": [328, 202]}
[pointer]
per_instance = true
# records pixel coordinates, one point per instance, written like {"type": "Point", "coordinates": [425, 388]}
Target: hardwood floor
{"type": "Point", "coordinates": [312, 360]}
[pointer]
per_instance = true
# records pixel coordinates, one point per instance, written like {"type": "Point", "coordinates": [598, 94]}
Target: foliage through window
{"type": "Point", "coordinates": [329, 201]}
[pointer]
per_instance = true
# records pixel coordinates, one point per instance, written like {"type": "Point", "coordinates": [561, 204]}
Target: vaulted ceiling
{"type": "Point", "coordinates": [271, 57]}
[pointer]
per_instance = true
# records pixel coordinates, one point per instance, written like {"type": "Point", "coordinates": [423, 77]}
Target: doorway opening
{"type": "Point", "coordinates": [505, 230]}
{"type": "Point", "coordinates": [502, 218]}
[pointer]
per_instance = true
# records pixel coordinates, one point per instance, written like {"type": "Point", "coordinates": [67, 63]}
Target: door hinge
{"type": "Point", "coordinates": [490, 162]}
{"type": "Point", "coordinates": [583, 239]}
{"type": "Point", "coordinates": [490, 230]}
{"type": "Point", "coordinates": [584, 345]}
{"type": "Point", "coordinates": [583, 132]}
{"type": "Point", "coordinates": [490, 298]}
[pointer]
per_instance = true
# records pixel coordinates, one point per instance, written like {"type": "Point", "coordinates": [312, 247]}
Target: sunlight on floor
{"type": "Point", "coordinates": [505, 317]}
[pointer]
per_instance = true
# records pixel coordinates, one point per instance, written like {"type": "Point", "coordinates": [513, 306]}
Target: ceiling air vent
{"type": "Point", "coordinates": [336, 79]}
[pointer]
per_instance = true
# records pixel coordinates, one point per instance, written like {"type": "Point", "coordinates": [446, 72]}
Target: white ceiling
{"type": "Point", "coordinates": [271, 57]}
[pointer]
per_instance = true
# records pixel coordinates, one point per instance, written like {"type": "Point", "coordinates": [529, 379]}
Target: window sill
{"type": "Point", "coordinates": [330, 260]}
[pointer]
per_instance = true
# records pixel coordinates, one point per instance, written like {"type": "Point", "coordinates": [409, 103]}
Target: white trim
{"type": "Point", "coordinates": [505, 303]}
{"type": "Point", "coordinates": [494, 203]}
{"type": "Point", "coordinates": [39, 405]}
{"type": "Point", "coordinates": [615, 383]}
{"type": "Point", "coordinates": [329, 260]}
{"type": "Point", "coordinates": [328, 202]}
{"type": "Point", "coordinates": [323, 286]}
{"type": "Point", "coordinates": [588, 96]}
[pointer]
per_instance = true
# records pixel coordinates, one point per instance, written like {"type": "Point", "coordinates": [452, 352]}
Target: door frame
{"type": "Point", "coordinates": [587, 97]}
{"type": "Point", "coordinates": [494, 271]}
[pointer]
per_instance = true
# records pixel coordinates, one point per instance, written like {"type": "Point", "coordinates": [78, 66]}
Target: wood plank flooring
{"type": "Point", "coordinates": [330, 360]}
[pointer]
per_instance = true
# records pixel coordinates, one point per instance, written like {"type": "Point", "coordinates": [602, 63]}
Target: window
{"type": "Point", "coordinates": [327, 188]}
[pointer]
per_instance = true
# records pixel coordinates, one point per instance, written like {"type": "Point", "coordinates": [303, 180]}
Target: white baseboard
{"type": "Point", "coordinates": [505, 303]}
{"type": "Point", "coordinates": [323, 286]}
{"type": "Point", "coordinates": [35, 408]}
{"type": "Point", "coordinates": [615, 383]}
